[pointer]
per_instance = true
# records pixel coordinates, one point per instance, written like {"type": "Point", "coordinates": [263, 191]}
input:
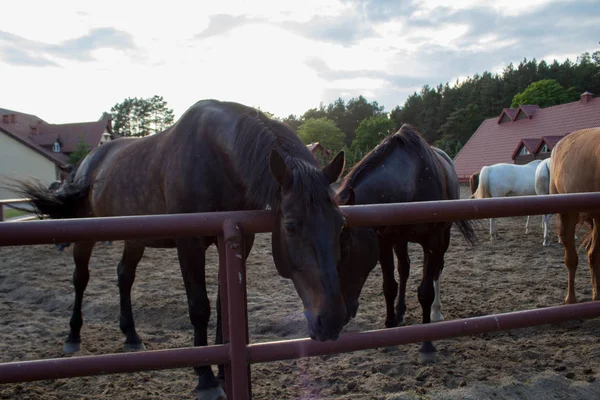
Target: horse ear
{"type": "Point", "coordinates": [279, 169]}
{"type": "Point", "coordinates": [334, 169]}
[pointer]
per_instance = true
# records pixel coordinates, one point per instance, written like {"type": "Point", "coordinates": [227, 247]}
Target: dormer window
{"type": "Point", "coordinates": [524, 151]}
{"type": "Point", "coordinates": [544, 149]}
{"type": "Point", "coordinates": [56, 147]}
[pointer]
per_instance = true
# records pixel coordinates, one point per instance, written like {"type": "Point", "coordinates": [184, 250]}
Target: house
{"type": "Point", "coordinates": [524, 133]}
{"type": "Point", "coordinates": [32, 147]}
{"type": "Point", "coordinates": [319, 152]}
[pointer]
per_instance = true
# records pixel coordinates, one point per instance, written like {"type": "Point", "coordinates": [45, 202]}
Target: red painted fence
{"type": "Point", "coordinates": [237, 353]}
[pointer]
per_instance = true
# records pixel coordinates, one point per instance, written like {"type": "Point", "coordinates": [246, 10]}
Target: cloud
{"type": "Point", "coordinates": [221, 24]}
{"type": "Point", "coordinates": [16, 50]}
{"type": "Point", "coordinates": [343, 29]}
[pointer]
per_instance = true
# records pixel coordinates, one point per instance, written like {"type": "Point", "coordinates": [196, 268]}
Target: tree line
{"type": "Point", "coordinates": [446, 115]}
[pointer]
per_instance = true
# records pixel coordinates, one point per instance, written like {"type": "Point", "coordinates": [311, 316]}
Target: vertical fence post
{"type": "Point", "coordinates": [1, 212]}
{"type": "Point", "coordinates": [236, 302]}
{"type": "Point", "coordinates": [222, 303]}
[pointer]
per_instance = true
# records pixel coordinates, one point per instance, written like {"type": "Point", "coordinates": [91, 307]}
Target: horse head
{"type": "Point", "coordinates": [305, 242]}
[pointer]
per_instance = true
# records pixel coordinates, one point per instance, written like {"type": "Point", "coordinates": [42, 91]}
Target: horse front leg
{"type": "Point", "coordinates": [191, 253]}
{"type": "Point", "coordinates": [390, 287]}
{"type": "Point", "coordinates": [401, 250]}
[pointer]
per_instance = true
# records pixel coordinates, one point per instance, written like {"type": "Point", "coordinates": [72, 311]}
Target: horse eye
{"type": "Point", "coordinates": [291, 228]}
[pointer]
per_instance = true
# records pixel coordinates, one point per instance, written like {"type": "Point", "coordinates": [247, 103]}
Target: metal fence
{"type": "Point", "coordinates": [237, 353]}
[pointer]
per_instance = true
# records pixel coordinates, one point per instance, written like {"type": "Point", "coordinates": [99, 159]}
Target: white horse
{"type": "Point", "coordinates": [542, 187]}
{"type": "Point", "coordinates": [506, 180]}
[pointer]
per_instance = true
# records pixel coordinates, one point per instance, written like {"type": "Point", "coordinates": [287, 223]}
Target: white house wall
{"type": "Point", "coordinates": [19, 161]}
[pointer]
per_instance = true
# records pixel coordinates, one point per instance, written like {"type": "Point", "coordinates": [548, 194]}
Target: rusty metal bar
{"type": "Point", "coordinates": [28, 371]}
{"type": "Point", "coordinates": [223, 305]}
{"type": "Point", "coordinates": [185, 225]}
{"type": "Point", "coordinates": [300, 348]}
{"type": "Point", "coordinates": [130, 227]}
{"type": "Point", "coordinates": [238, 328]}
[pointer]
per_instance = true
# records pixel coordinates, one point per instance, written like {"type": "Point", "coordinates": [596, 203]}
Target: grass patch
{"type": "Point", "coordinates": [12, 213]}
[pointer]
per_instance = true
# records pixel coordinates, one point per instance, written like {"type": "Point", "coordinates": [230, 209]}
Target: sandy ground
{"type": "Point", "coordinates": [556, 361]}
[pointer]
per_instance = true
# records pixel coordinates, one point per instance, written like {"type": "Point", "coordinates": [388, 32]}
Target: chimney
{"type": "Point", "coordinates": [34, 130]}
{"type": "Point", "coordinates": [586, 97]}
{"type": "Point", "coordinates": [13, 118]}
{"type": "Point", "coordinates": [5, 119]}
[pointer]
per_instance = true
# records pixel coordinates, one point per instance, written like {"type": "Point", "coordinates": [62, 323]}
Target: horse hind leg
{"type": "Point", "coordinates": [527, 226]}
{"type": "Point", "coordinates": [82, 251]}
{"type": "Point", "coordinates": [567, 223]}
{"type": "Point", "coordinates": [545, 222]}
{"type": "Point", "coordinates": [390, 287]}
{"type": "Point", "coordinates": [436, 307]}
{"type": "Point", "coordinates": [132, 254]}
{"type": "Point", "coordinates": [594, 259]}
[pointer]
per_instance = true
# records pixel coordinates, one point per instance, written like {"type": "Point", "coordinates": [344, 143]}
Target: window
{"type": "Point", "coordinates": [544, 149]}
{"type": "Point", "coordinates": [523, 151]}
{"type": "Point", "coordinates": [56, 147]}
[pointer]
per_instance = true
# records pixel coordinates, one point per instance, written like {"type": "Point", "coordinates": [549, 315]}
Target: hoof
{"type": "Point", "coordinates": [70, 347]}
{"type": "Point", "coordinates": [437, 317]}
{"type": "Point", "coordinates": [135, 346]}
{"type": "Point", "coordinates": [427, 358]}
{"type": "Point", "coordinates": [391, 323]}
{"type": "Point", "coordinates": [216, 393]}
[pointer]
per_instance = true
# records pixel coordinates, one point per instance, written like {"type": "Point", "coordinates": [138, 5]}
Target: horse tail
{"type": "Point", "coordinates": [467, 231]}
{"type": "Point", "coordinates": [474, 182]}
{"type": "Point", "coordinates": [483, 189]}
{"type": "Point", "coordinates": [542, 186]}
{"type": "Point", "coordinates": [57, 204]}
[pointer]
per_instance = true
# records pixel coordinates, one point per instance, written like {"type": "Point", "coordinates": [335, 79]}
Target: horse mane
{"type": "Point", "coordinates": [407, 137]}
{"type": "Point", "coordinates": [256, 136]}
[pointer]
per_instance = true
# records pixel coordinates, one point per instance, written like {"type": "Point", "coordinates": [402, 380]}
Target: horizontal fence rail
{"type": "Point", "coordinates": [236, 354]}
{"type": "Point", "coordinates": [210, 224]}
{"type": "Point", "coordinates": [28, 371]}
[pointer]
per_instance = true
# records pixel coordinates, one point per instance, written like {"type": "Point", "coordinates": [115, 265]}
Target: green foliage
{"type": "Point", "coordinates": [432, 108]}
{"type": "Point", "coordinates": [545, 93]}
{"type": "Point", "coordinates": [371, 131]}
{"type": "Point", "coordinates": [324, 131]}
{"type": "Point", "coordinates": [457, 129]}
{"type": "Point", "coordinates": [141, 117]}
{"type": "Point", "coordinates": [81, 150]}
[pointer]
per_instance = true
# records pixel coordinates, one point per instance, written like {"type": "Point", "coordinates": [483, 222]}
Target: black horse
{"type": "Point", "coordinates": [218, 156]}
{"type": "Point", "coordinates": [402, 168]}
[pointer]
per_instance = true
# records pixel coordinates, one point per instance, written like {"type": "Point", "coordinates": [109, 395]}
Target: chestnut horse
{"type": "Point", "coordinates": [575, 168]}
{"type": "Point", "coordinates": [218, 156]}
{"type": "Point", "coordinates": [404, 168]}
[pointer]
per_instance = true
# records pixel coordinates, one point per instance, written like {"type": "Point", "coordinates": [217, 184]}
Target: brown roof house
{"type": "Point", "coordinates": [31, 147]}
{"type": "Point", "coordinates": [525, 133]}
{"type": "Point", "coordinates": [319, 152]}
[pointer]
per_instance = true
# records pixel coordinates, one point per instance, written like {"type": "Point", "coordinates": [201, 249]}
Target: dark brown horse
{"type": "Point", "coordinates": [218, 156]}
{"type": "Point", "coordinates": [575, 168]}
{"type": "Point", "coordinates": [404, 168]}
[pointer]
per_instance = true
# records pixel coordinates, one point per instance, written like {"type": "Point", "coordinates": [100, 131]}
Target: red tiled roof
{"type": "Point", "coordinates": [39, 135]}
{"type": "Point", "coordinates": [494, 142]}
{"type": "Point", "coordinates": [549, 140]}
{"type": "Point", "coordinates": [530, 144]}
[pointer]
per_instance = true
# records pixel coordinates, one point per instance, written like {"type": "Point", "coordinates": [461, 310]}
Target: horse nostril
{"type": "Point", "coordinates": [319, 323]}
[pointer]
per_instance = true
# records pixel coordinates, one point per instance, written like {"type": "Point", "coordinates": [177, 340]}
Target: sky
{"type": "Point", "coordinates": [69, 61]}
